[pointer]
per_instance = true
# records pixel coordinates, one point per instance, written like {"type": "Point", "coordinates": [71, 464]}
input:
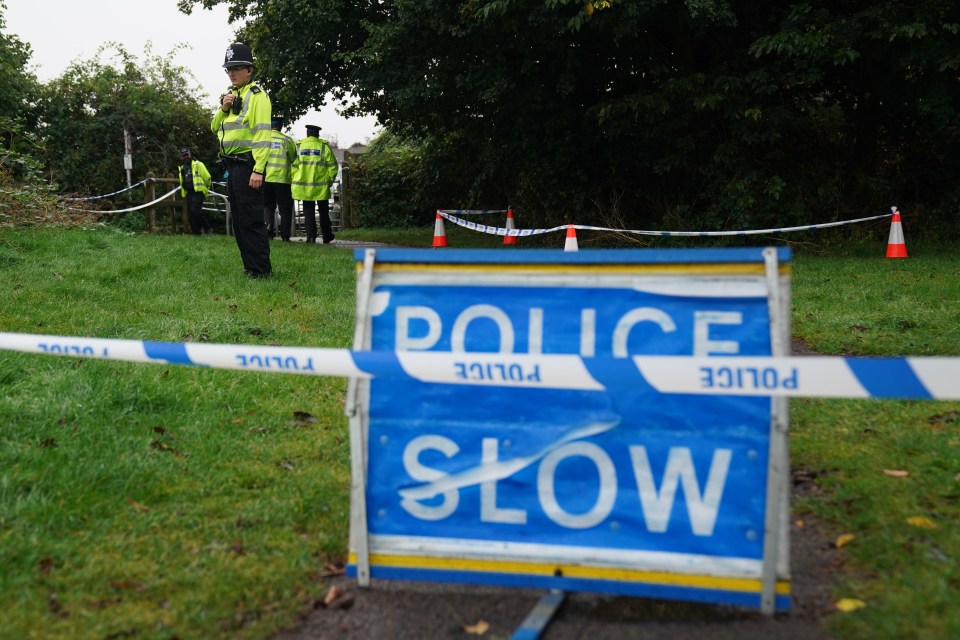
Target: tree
{"type": "Point", "coordinates": [85, 111]}
{"type": "Point", "coordinates": [695, 114]}
{"type": "Point", "coordinates": [19, 90]}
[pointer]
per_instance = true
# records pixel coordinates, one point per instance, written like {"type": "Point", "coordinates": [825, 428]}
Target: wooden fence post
{"type": "Point", "coordinates": [182, 206]}
{"type": "Point", "coordinates": [150, 192]}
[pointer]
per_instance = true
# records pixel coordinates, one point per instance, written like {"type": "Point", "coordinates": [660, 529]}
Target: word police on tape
{"type": "Point", "coordinates": [807, 376]}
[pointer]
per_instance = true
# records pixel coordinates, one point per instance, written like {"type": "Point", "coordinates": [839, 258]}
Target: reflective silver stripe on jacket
{"type": "Point", "coordinates": [313, 184]}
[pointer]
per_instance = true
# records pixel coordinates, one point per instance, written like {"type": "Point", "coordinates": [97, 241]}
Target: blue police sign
{"type": "Point", "coordinates": [616, 489]}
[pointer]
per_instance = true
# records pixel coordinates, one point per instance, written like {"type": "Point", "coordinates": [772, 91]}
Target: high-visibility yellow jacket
{"type": "Point", "coordinates": [201, 178]}
{"type": "Point", "coordinates": [316, 172]}
{"type": "Point", "coordinates": [249, 130]}
{"type": "Point", "coordinates": [283, 158]}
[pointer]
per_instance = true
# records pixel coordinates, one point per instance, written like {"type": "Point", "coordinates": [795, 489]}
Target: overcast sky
{"type": "Point", "coordinates": [61, 31]}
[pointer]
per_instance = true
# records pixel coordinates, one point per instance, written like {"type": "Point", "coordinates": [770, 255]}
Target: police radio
{"type": "Point", "coordinates": [237, 104]}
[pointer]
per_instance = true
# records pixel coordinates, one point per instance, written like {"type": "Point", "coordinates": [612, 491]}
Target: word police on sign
{"type": "Point", "coordinates": [617, 488]}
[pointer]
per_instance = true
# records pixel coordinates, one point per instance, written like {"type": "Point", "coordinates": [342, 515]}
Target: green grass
{"type": "Point", "coordinates": [855, 302]}
{"type": "Point", "coordinates": [167, 501]}
{"type": "Point", "coordinates": [153, 501]}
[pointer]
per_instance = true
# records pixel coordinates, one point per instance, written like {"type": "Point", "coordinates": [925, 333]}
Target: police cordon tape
{"type": "Point", "coordinates": [107, 195]}
{"type": "Point", "coordinates": [503, 231]}
{"type": "Point", "coordinates": [807, 376]}
{"type": "Point", "coordinates": [473, 212]}
{"type": "Point", "coordinates": [142, 206]}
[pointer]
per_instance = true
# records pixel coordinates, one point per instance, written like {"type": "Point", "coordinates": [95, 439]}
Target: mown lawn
{"type": "Point", "coordinates": [151, 501]}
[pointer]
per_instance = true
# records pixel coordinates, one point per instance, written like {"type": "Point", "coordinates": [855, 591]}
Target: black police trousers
{"type": "Point", "coordinates": [199, 223]}
{"type": "Point", "coordinates": [310, 220]}
{"type": "Point", "coordinates": [277, 195]}
{"type": "Point", "coordinates": [246, 211]}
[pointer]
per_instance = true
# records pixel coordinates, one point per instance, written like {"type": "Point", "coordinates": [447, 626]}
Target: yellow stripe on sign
{"type": "Point", "coordinates": [521, 269]}
{"type": "Point", "coordinates": [747, 585]}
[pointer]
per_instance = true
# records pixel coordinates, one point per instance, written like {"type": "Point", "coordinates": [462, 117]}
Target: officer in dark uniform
{"type": "Point", "coordinates": [195, 183]}
{"type": "Point", "coordinates": [242, 123]}
{"type": "Point", "coordinates": [276, 186]}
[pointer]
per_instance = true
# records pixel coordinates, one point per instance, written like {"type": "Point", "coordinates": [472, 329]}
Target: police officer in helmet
{"type": "Point", "coordinates": [242, 124]}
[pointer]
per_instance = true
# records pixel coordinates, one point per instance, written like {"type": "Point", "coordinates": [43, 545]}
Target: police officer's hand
{"type": "Point", "coordinates": [226, 102]}
{"type": "Point", "coordinates": [256, 180]}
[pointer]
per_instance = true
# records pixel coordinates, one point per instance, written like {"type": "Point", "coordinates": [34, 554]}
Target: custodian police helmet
{"type": "Point", "coordinates": [237, 55]}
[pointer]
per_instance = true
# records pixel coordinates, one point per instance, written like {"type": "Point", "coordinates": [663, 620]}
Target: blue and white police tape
{"type": "Point", "coordinates": [807, 376]}
{"type": "Point", "coordinates": [503, 231]}
{"type": "Point", "coordinates": [471, 212]}
{"type": "Point", "coordinates": [107, 195]}
{"type": "Point", "coordinates": [142, 206]}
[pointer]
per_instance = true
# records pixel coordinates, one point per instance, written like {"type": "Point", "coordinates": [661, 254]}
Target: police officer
{"type": "Point", "coordinates": [195, 182]}
{"type": "Point", "coordinates": [276, 186]}
{"type": "Point", "coordinates": [242, 123]}
{"type": "Point", "coordinates": [311, 184]}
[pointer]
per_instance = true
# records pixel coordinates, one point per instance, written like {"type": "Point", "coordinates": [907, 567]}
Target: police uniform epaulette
{"type": "Point", "coordinates": [255, 89]}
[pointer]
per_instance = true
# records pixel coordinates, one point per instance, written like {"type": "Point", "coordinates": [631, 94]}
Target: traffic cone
{"type": "Point", "coordinates": [571, 243]}
{"type": "Point", "coordinates": [508, 239]}
{"type": "Point", "coordinates": [896, 248]}
{"type": "Point", "coordinates": [439, 234]}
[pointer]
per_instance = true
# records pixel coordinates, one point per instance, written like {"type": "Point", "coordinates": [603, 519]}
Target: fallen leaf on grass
{"type": "Point", "coordinates": [847, 605]}
{"type": "Point", "coordinates": [163, 446]}
{"type": "Point", "coordinates": [844, 540]}
{"type": "Point", "coordinates": [896, 473]}
{"type": "Point", "coordinates": [332, 570]}
{"type": "Point", "coordinates": [333, 593]}
{"type": "Point", "coordinates": [137, 506]}
{"type": "Point", "coordinates": [46, 565]}
{"type": "Point", "coordinates": [942, 420]}
{"type": "Point", "coordinates": [478, 629]}
{"type": "Point", "coordinates": [302, 418]}
{"type": "Point", "coordinates": [921, 522]}
{"type": "Point", "coordinates": [126, 585]}
{"type": "Point", "coordinates": [54, 606]}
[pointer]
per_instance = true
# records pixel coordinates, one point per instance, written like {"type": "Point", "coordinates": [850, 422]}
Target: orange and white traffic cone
{"type": "Point", "coordinates": [896, 247]}
{"type": "Point", "coordinates": [571, 242]}
{"type": "Point", "coordinates": [439, 233]}
{"type": "Point", "coordinates": [508, 239]}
